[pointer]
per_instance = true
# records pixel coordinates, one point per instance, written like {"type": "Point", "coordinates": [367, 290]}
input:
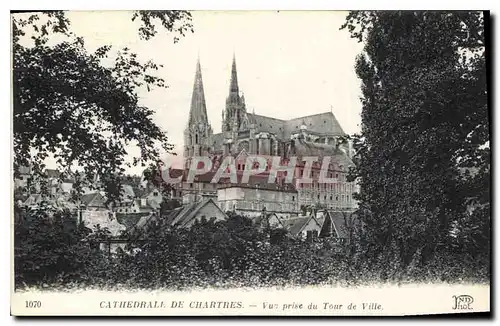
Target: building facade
{"type": "Point", "coordinates": [252, 200]}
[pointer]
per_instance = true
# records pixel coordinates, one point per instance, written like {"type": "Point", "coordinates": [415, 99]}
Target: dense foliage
{"type": "Point", "coordinates": [53, 253]}
{"type": "Point", "coordinates": [423, 156]}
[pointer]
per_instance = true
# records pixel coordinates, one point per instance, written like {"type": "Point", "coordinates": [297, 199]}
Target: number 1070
{"type": "Point", "coordinates": [33, 304]}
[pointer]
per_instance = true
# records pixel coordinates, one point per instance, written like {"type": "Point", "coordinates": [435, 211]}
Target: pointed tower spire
{"type": "Point", "coordinates": [198, 132]}
{"type": "Point", "coordinates": [233, 88]}
{"type": "Point", "coordinates": [198, 111]}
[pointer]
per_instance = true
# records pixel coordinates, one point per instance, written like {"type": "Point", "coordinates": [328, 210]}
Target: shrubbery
{"type": "Point", "coordinates": [51, 251]}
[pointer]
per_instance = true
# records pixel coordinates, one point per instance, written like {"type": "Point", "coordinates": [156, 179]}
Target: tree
{"type": "Point", "coordinates": [48, 248]}
{"type": "Point", "coordinates": [424, 123]}
{"type": "Point", "coordinates": [69, 105]}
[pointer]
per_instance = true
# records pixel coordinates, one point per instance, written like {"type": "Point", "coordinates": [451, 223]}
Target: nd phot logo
{"type": "Point", "coordinates": [462, 302]}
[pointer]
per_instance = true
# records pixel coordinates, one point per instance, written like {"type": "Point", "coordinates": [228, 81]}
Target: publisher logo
{"type": "Point", "coordinates": [462, 302]}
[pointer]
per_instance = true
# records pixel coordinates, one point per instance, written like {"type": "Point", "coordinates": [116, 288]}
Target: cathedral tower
{"type": "Point", "coordinates": [198, 131]}
{"type": "Point", "coordinates": [235, 104]}
{"type": "Point", "coordinates": [234, 116]}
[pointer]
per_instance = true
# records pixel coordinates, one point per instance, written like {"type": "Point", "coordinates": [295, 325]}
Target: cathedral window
{"type": "Point", "coordinates": [196, 139]}
{"type": "Point", "coordinates": [293, 198]}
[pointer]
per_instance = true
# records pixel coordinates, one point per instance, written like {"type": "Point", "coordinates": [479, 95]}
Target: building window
{"type": "Point", "coordinates": [293, 198]}
{"type": "Point", "coordinates": [243, 167]}
{"type": "Point", "coordinates": [331, 197]}
{"type": "Point", "coordinates": [336, 175]}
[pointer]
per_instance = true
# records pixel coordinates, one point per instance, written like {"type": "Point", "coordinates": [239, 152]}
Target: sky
{"type": "Point", "coordinates": [290, 63]}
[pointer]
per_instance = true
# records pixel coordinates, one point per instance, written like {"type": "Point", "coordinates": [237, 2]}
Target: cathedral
{"type": "Point", "coordinates": [313, 135]}
{"type": "Point", "coordinates": [244, 133]}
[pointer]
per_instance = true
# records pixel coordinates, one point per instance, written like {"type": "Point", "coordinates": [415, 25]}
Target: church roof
{"type": "Point", "coordinates": [267, 124]}
{"type": "Point", "coordinates": [321, 123]}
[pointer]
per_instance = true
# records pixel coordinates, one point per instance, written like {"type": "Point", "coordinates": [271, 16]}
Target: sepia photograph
{"type": "Point", "coordinates": [283, 163]}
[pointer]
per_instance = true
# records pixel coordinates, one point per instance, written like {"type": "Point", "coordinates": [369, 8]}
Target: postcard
{"type": "Point", "coordinates": [250, 163]}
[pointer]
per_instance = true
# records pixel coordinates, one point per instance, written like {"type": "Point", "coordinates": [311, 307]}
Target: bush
{"type": "Point", "coordinates": [52, 250]}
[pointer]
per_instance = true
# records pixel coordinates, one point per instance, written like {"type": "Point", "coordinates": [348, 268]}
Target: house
{"type": "Point", "coordinates": [154, 199]}
{"type": "Point", "coordinates": [337, 224]}
{"type": "Point", "coordinates": [95, 212]}
{"type": "Point", "coordinates": [251, 198]}
{"type": "Point", "coordinates": [185, 216]}
{"type": "Point", "coordinates": [93, 201]}
{"type": "Point", "coordinates": [304, 227]}
{"type": "Point", "coordinates": [131, 214]}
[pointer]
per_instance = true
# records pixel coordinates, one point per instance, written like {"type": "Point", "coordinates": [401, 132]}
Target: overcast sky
{"type": "Point", "coordinates": [290, 64]}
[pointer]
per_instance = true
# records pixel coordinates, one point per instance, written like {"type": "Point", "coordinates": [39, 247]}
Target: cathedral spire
{"type": "Point", "coordinates": [198, 111]}
{"type": "Point", "coordinates": [233, 88]}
